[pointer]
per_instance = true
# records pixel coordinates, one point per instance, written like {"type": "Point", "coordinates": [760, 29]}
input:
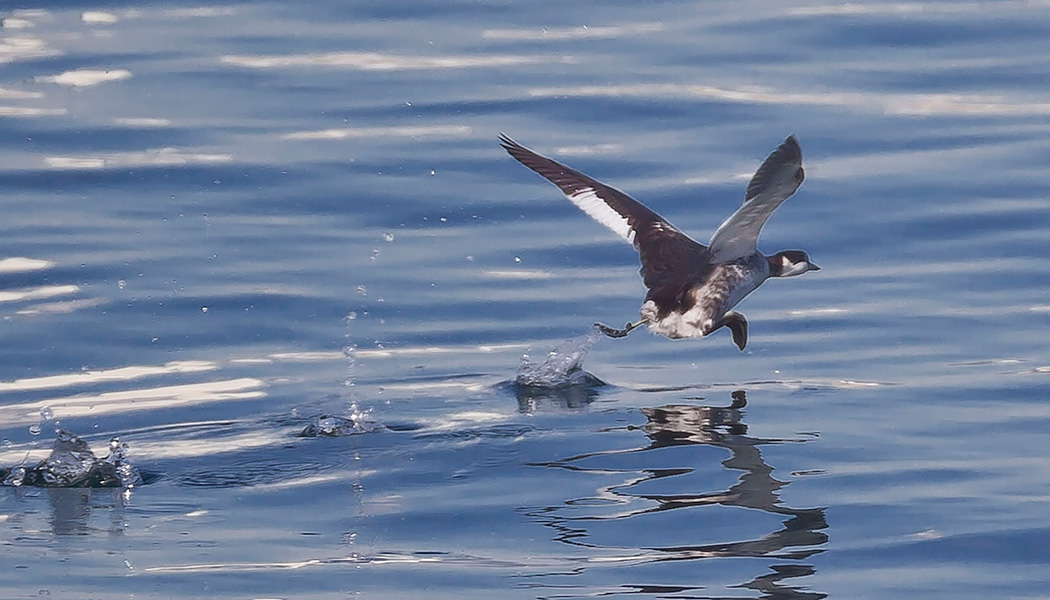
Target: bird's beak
{"type": "Point", "coordinates": [813, 267]}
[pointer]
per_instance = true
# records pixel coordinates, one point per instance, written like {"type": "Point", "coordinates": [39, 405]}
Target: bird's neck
{"type": "Point", "coordinates": [776, 265]}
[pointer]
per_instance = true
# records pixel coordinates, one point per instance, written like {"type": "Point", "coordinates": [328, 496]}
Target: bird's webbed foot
{"type": "Point", "coordinates": [619, 333]}
{"type": "Point", "coordinates": [737, 324]}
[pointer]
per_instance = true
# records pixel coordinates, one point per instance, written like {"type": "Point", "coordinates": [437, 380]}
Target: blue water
{"type": "Point", "coordinates": [224, 221]}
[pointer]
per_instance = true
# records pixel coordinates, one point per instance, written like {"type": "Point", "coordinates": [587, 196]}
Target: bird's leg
{"type": "Point", "coordinates": [737, 324]}
{"type": "Point", "coordinates": [619, 333]}
{"type": "Point", "coordinates": [739, 399]}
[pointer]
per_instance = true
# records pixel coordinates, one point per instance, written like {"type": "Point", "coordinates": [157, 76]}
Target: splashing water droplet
{"type": "Point", "coordinates": [46, 413]}
{"type": "Point", "coordinates": [35, 429]}
{"type": "Point", "coordinates": [359, 421]}
{"type": "Point", "coordinates": [388, 237]}
{"type": "Point", "coordinates": [118, 457]}
{"type": "Point", "coordinates": [71, 463]}
{"type": "Point", "coordinates": [16, 477]}
{"type": "Point", "coordinates": [350, 316]}
{"type": "Point", "coordinates": [361, 290]}
{"type": "Point", "coordinates": [122, 284]}
{"type": "Point", "coordinates": [562, 365]}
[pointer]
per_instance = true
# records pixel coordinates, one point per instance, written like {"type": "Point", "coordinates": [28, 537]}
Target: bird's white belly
{"type": "Point", "coordinates": [729, 285]}
{"type": "Point", "coordinates": [675, 325]}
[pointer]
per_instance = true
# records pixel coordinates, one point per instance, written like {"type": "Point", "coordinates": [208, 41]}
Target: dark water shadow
{"type": "Point", "coordinates": [800, 536]}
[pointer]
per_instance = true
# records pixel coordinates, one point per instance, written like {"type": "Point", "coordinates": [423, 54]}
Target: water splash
{"type": "Point", "coordinates": [562, 366]}
{"type": "Point", "coordinates": [69, 463]}
{"type": "Point", "coordinates": [334, 426]}
{"type": "Point", "coordinates": [118, 459]}
{"type": "Point", "coordinates": [73, 464]}
{"type": "Point", "coordinates": [359, 420]}
{"type": "Point", "coordinates": [15, 477]}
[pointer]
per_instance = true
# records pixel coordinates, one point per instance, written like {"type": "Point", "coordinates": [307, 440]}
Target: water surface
{"type": "Point", "coordinates": [222, 222]}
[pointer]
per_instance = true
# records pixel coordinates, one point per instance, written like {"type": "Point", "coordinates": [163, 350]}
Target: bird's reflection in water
{"type": "Point", "coordinates": [800, 536]}
{"type": "Point", "coordinates": [675, 425]}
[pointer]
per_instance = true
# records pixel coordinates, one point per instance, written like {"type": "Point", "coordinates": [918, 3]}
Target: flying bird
{"type": "Point", "coordinates": [692, 287]}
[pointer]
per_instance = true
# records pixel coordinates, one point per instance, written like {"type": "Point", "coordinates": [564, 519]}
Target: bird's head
{"type": "Point", "coordinates": [790, 263]}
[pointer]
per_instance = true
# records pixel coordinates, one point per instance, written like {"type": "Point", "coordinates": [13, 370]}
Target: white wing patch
{"type": "Point", "coordinates": [596, 208]}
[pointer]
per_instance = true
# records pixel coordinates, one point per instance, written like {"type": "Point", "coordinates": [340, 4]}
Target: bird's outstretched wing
{"type": "Point", "coordinates": [660, 244]}
{"type": "Point", "coordinates": [774, 182]}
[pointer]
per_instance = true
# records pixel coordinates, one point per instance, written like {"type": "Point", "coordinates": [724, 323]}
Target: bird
{"type": "Point", "coordinates": [692, 288]}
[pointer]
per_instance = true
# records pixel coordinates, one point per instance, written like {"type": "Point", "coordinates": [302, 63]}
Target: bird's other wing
{"type": "Point", "coordinates": [774, 182]}
{"type": "Point", "coordinates": [659, 243]}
